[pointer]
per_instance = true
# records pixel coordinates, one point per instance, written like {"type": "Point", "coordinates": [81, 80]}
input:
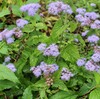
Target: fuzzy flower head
{"type": "Point", "coordinates": [90, 65]}
{"type": "Point", "coordinates": [96, 57]}
{"type": "Point", "coordinates": [31, 9]}
{"type": "Point", "coordinates": [85, 33]}
{"type": "Point", "coordinates": [57, 7]}
{"type": "Point", "coordinates": [42, 47]}
{"type": "Point", "coordinates": [96, 24]}
{"type": "Point", "coordinates": [44, 68]}
{"type": "Point", "coordinates": [11, 66]}
{"type": "Point", "coordinates": [10, 40]}
{"type": "Point", "coordinates": [93, 5]}
{"type": "Point", "coordinates": [52, 50]}
{"type": "Point", "coordinates": [80, 11]}
{"type": "Point", "coordinates": [21, 22]}
{"type": "Point", "coordinates": [81, 62]}
{"type": "Point", "coordinates": [7, 59]}
{"type": "Point", "coordinates": [93, 39]}
{"type": "Point", "coordinates": [66, 74]}
{"type": "Point", "coordinates": [91, 15]}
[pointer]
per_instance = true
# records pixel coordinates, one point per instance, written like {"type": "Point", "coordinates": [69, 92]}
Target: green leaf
{"type": "Point", "coordinates": [4, 50]}
{"type": "Point", "coordinates": [4, 12]}
{"type": "Point", "coordinates": [63, 95]}
{"type": "Point", "coordinates": [95, 94]}
{"type": "Point", "coordinates": [27, 93]}
{"type": "Point", "coordinates": [73, 26]}
{"type": "Point", "coordinates": [70, 53]}
{"type": "Point", "coordinates": [43, 94]}
{"type": "Point", "coordinates": [97, 77]}
{"type": "Point", "coordinates": [16, 11]}
{"type": "Point", "coordinates": [28, 28]}
{"type": "Point", "coordinates": [41, 26]}
{"type": "Point", "coordinates": [60, 84]}
{"type": "Point", "coordinates": [7, 74]}
{"type": "Point", "coordinates": [5, 84]}
{"type": "Point", "coordinates": [33, 60]}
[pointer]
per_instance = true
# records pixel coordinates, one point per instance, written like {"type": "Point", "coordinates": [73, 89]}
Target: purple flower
{"type": "Point", "coordinates": [21, 22]}
{"type": "Point", "coordinates": [80, 10]}
{"type": "Point", "coordinates": [10, 40]}
{"type": "Point", "coordinates": [93, 39]}
{"type": "Point", "coordinates": [36, 71]}
{"type": "Point", "coordinates": [90, 66]}
{"type": "Point", "coordinates": [66, 74]}
{"type": "Point", "coordinates": [96, 57]}
{"type": "Point", "coordinates": [42, 47]}
{"type": "Point", "coordinates": [79, 17]}
{"type": "Point", "coordinates": [91, 15]}
{"type": "Point", "coordinates": [7, 59]}
{"type": "Point", "coordinates": [85, 33]}
{"type": "Point", "coordinates": [57, 7]}
{"type": "Point", "coordinates": [80, 62]}
{"type": "Point", "coordinates": [11, 66]}
{"type": "Point", "coordinates": [52, 50]}
{"type": "Point", "coordinates": [93, 4]}
{"type": "Point", "coordinates": [30, 8]}
{"type": "Point", "coordinates": [96, 24]}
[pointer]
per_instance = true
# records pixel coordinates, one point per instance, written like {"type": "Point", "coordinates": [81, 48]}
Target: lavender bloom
{"type": "Point", "coordinates": [96, 24]}
{"type": "Point", "coordinates": [36, 71]}
{"type": "Point", "coordinates": [93, 39]}
{"type": "Point", "coordinates": [30, 8]}
{"type": "Point", "coordinates": [21, 22]}
{"type": "Point", "coordinates": [93, 5]}
{"type": "Point", "coordinates": [48, 68]}
{"type": "Point", "coordinates": [66, 74]}
{"type": "Point", "coordinates": [51, 50]}
{"type": "Point", "coordinates": [91, 15]}
{"type": "Point", "coordinates": [10, 40]}
{"type": "Point", "coordinates": [96, 57]}
{"type": "Point", "coordinates": [45, 68]}
{"type": "Point", "coordinates": [7, 33]}
{"type": "Point", "coordinates": [79, 17]}
{"type": "Point", "coordinates": [85, 21]}
{"type": "Point", "coordinates": [91, 66]}
{"type": "Point", "coordinates": [11, 66]}
{"type": "Point", "coordinates": [7, 59]}
{"type": "Point", "coordinates": [85, 33]}
{"type": "Point", "coordinates": [80, 62]}
{"type": "Point", "coordinates": [80, 10]}
{"type": "Point", "coordinates": [42, 47]}
{"type": "Point", "coordinates": [57, 7]}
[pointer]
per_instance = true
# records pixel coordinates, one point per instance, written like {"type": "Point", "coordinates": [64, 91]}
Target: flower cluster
{"type": "Point", "coordinates": [88, 18]}
{"type": "Point", "coordinates": [21, 22]}
{"type": "Point", "coordinates": [31, 9]}
{"type": "Point", "coordinates": [93, 39]}
{"type": "Point", "coordinates": [57, 7]}
{"type": "Point", "coordinates": [94, 63]}
{"type": "Point", "coordinates": [9, 65]}
{"type": "Point", "coordinates": [66, 74]}
{"type": "Point", "coordinates": [85, 33]}
{"type": "Point", "coordinates": [44, 68]}
{"type": "Point", "coordinates": [8, 35]}
{"type": "Point", "coordinates": [52, 50]}
{"type": "Point", "coordinates": [81, 62]}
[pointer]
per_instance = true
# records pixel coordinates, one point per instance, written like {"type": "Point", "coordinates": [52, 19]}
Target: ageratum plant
{"type": "Point", "coordinates": [49, 49]}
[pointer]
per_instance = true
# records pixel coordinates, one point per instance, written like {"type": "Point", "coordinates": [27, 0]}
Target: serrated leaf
{"type": "Point", "coordinates": [16, 11]}
{"type": "Point", "coordinates": [95, 94]}
{"type": "Point", "coordinates": [60, 84]}
{"type": "Point", "coordinates": [4, 12]}
{"type": "Point", "coordinates": [63, 95]}
{"type": "Point", "coordinates": [4, 50]}
{"type": "Point", "coordinates": [5, 84]}
{"type": "Point", "coordinates": [97, 77]}
{"type": "Point", "coordinates": [7, 74]}
{"type": "Point", "coordinates": [70, 53]}
{"type": "Point", "coordinates": [27, 93]}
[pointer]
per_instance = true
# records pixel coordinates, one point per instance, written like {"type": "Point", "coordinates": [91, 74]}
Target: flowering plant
{"type": "Point", "coordinates": [49, 50]}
